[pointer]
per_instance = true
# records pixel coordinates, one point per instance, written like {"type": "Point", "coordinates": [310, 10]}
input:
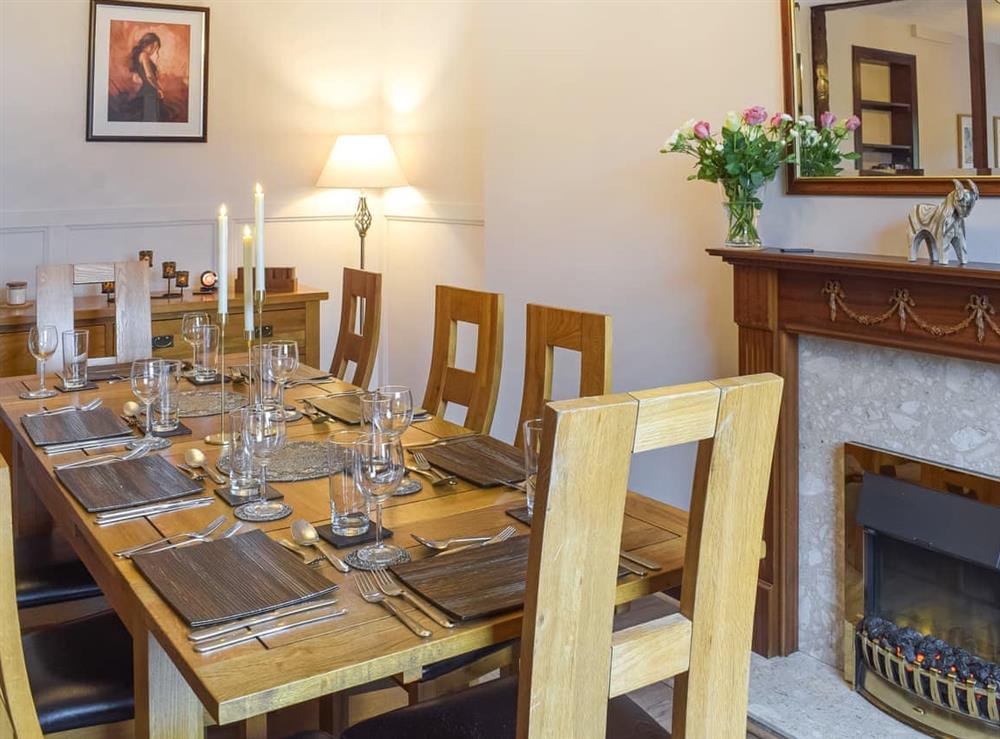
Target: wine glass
{"type": "Point", "coordinates": [191, 325]}
{"type": "Point", "coordinates": [379, 467]}
{"type": "Point", "coordinates": [148, 378]}
{"type": "Point", "coordinates": [396, 414]}
{"type": "Point", "coordinates": [42, 343]}
{"type": "Point", "coordinates": [266, 434]}
{"type": "Point", "coordinates": [282, 361]}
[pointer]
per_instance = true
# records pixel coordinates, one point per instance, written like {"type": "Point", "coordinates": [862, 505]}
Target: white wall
{"type": "Point", "coordinates": [285, 78]}
{"type": "Point", "coordinates": [545, 118]}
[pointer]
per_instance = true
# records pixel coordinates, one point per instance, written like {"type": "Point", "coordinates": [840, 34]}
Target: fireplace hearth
{"type": "Point", "coordinates": [922, 591]}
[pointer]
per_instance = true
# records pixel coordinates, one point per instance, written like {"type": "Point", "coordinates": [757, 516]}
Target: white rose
{"type": "Point", "coordinates": [806, 119]}
{"type": "Point", "coordinates": [688, 127]}
{"type": "Point", "coordinates": [733, 121]}
{"type": "Point", "coordinates": [786, 117]}
{"type": "Point", "coordinates": [719, 147]}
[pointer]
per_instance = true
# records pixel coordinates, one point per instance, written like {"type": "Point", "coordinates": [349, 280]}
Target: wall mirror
{"type": "Point", "coordinates": [923, 77]}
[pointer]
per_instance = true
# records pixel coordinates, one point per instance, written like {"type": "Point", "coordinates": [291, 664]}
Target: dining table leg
{"type": "Point", "coordinates": [165, 705]}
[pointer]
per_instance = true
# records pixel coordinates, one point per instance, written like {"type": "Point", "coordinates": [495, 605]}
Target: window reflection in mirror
{"type": "Point", "coordinates": [909, 70]}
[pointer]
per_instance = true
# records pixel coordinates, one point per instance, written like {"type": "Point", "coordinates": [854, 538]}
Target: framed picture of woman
{"type": "Point", "coordinates": [147, 76]}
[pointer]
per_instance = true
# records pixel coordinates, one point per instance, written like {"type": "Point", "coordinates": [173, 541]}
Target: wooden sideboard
{"type": "Point", "coordinates": [293, 315]}
{"type": "Point", "coordinates": [948, 310]}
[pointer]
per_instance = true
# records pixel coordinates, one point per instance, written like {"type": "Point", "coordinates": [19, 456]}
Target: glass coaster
{"type": "Point", "coordinates": [359, 564]}
{"type": "Point", "coordinates": [408, 486]}
{"type": "Point", "coordinates": [257, 513]}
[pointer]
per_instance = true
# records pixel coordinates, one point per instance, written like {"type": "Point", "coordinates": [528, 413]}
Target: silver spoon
{"type": "Point", "coordinates": [196, 458]}
{"type": "Point", "coordinates": [305, 535]}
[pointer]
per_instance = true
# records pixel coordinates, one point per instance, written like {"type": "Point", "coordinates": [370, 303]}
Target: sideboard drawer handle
{"type": "Point", "coordinates": [165, 341]}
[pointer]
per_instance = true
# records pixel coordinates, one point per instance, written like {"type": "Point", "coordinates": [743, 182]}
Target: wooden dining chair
{"type": "Point", "coordinates": [572, 662]}
{"type": "Point", "coordinates": [60, 678]}
{"type": "Point", "coordinates": [477, 389]}
{"type": "Point", "coordinates": [362, 296]}
{"type": "Point", "coordinates": [589, 334]}
{"type": "Point", "coordinates": [133, 314]}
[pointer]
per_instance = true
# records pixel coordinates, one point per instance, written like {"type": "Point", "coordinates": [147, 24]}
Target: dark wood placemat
{"type": "Point", "coordinates": [345, 408]}
{"type": "Point", "coordinates": [230, 578]}
{"type": "Point", "coordinates": [481, 581]}
{"type": "Point", "coordinates": [107, 487]}
{"type": "Point", "coordinates": [480, 459]}
{"type": "Point", "coordinates": [100, 423]}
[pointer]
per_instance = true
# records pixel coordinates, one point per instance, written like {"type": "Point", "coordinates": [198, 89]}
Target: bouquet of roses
{"type": "Point", "coordinates": [819, 147]}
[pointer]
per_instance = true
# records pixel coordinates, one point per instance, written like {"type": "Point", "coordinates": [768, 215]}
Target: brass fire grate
{"type": "Point", "coordinates": [943, 690]}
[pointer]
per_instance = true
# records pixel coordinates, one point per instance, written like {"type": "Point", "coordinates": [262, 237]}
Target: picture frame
{"type": "Point", "coordinates": [964, 131]}
{"type": "Point", "coordinates": [147, 72]}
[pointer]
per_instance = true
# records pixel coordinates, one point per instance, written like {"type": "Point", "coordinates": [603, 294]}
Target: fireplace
{"type": "Point", "coordinates": [922, 591]}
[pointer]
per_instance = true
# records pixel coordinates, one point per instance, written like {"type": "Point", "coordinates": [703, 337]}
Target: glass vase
{"type": "Point", "coordinates": [741, 228]}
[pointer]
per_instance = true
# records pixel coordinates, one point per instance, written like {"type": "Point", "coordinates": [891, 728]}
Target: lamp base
{"type": "Point", "coordinates": [218, 439]}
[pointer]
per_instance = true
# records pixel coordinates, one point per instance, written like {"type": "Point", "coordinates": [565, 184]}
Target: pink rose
{"type": "Point", "coordinates": [755, 115]}
{"type": "Point", "coordinates": [853, 123]}
{"type": "Point", "coordinates": [827, 119]}
{"type": "Point", "coordinates": [702, 130]}
{"type": "Point", "coordinates": [775, 121]}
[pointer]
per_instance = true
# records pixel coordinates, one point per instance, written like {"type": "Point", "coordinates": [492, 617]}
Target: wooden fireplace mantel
{"type": "Point", "coordinates": [941, 309]}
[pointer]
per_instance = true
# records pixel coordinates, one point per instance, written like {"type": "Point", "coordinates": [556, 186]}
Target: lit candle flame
{"type": "Point", "coordinates": [258, 190]}
{"type": "Point", "coordinates": [247, 233]}
{"type": "Point", "coordinates": [222, 209]}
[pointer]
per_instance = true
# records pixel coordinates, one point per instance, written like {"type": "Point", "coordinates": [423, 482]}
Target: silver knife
{"type": "Point", "coordinates": [212, 646]}
{"type": "Point", "coordinates": [151, 510]}
{"type": "Point", "coordinates": [213, 632]}
{"type": "Point", "coordinates": [631, 568]}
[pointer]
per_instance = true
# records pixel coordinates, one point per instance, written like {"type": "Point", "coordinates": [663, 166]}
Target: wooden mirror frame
{"type": "Point", "coordinates": [900, 184]}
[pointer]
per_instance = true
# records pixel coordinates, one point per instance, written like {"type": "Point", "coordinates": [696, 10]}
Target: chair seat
{"type": "Point", "coordinates": [487, 711]}
{"type": "Point", "coordinates": [80, 673]}
{"type": "Point", "coordinates": [48, 571]}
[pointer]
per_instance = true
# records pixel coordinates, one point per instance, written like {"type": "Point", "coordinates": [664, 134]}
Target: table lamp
{"type": "Point", "coordinates": [360, 162]}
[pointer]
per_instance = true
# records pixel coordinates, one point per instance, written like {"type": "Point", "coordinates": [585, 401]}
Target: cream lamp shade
{"type": "Point", "coordinates": [360, 162]}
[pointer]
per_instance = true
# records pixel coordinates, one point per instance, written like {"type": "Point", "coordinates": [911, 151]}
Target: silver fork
{"type": "Point", "coordinates": [388, 586]}
{"type": "Point", "coordinates": [230, 531]}
{"type": "Point", "coordinates": [204, 533]}
{"type": "Point", "coordinates": [423, 465]}
{"type": "Point", "coordinates": [370, 592]}
{"type": "Point", "coordinates": [139, 451]}
{"type": "Point", "coordinates": [96, 402]}
{"type": "Point", "coordinates": [507, 532]}
{"type": "Point", "coordinates": [442, 544]}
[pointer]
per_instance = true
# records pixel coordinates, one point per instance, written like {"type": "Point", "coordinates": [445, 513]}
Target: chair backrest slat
{"type": "Point", "coordinates": [15, 691]}
{"type": "Point", "coordinates": [133, 313]}
{"type": "Point", "coordinates": [476, 390]}
{"type": "Point", "coordinates": [360, 289]}
{"type": "Point", "coordinates": [570, 661]}
{"type": "Point", "coordinates": [549, 328]}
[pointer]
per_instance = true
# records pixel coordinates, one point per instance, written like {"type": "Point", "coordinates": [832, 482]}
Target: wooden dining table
{"type": "Point", "coordinates": [175, 686]}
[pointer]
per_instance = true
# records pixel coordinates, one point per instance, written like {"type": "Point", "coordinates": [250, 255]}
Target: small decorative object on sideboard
{"type": "Point", "coordinates": [146, 255]}
{"type": "Point", "coordinates": [182, 279]}
{"type": "Point", "coordinates": [108, 289]}
{"type": "Point", "coordinates": [17, 293]}
{"type": "Point", "coordinates": [169, 272]}
{"type": "Point", "coordinates": [208, 281]}
{"type": "Point", "coordinates": [748, 152]}
{"type": "Point", "coordinates": [276, 280]}
{"type": "Point", "coordinates": [942, 226]}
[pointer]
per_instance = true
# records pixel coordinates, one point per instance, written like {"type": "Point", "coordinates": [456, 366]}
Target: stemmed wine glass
{"type": "Point", "coordinates": [42, 343]}
{"type": "Point", "coordinates": [395, 413]}
{"type": "Point", "coordinates": [148, 379]}
{"type": "Point", "coordinates": [282, 361]}
{"type": "Point", "coordinates": [266, 434]}
{"type": "Point", "coordinates": [191, 325]}
{"type": "Point", "coordinates": [378, 469]}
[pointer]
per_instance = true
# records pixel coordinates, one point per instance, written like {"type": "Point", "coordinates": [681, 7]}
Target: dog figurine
{"type": "Point", "coordinates": [942, 226]}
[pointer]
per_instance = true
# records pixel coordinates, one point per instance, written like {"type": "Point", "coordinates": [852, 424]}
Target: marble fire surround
{"type": "Point", "coordinates": [941, 409]}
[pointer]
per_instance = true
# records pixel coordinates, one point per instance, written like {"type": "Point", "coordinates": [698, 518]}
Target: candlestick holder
{"type": "Point", "coordinates": [169, 273]}
{"type": "Point", "coordinates": [258, 304]}
{"type": "Point", "coordinates": [221, 438]}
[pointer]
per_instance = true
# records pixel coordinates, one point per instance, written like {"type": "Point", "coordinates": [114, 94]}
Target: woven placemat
{"type": "Point", "coordinates": [196, 403]}
{"type": "Point", "coordinates": [298, 460]}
